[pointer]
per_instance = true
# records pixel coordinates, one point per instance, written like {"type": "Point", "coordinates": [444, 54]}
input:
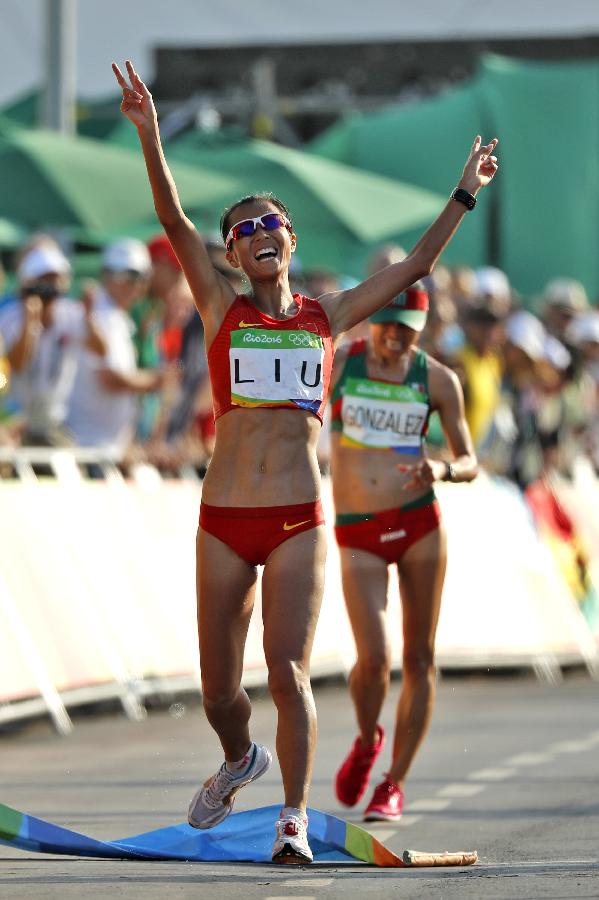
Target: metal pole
{"type": "Point", "coordinates": [60, 81]}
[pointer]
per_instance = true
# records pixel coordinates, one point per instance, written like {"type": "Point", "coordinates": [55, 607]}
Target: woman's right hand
{"type": "Point", "coordinates": [137, 103]}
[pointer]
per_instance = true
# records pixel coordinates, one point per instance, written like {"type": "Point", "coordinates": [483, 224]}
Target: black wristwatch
{"type": "Point", "coordinates": [464, 197]}
{"type": "Point", "coordinates": [450, 473]}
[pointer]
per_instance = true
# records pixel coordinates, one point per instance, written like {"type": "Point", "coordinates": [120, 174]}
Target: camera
{"type": "Point", "coordinates": [46, 292]}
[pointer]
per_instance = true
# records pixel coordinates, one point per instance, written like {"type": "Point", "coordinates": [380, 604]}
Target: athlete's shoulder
{"type": "Point", "coordinates": [309, 304]}
{"type": "Point", "coordinates": [441, 378]}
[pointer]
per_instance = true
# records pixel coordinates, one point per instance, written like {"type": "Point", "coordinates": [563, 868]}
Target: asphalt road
{"type": "Point", "coordinates": [510, 767]}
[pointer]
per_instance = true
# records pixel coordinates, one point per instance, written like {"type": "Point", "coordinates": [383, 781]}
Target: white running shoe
{"type": "Point", "coordinates": [291, 843]}
{"type": "Point", "coordinates": [214, 800]}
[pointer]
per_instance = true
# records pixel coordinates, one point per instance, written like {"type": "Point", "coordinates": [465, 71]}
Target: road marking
{"type": "Point", "coordinates": [295, 896]}
{"type": "Point", "coordinates": [529, 759]}
{"type": "Point", "coordinates": [491, 774]}
{"type": "Point", "coordinates": [429, 805]}
{"type": "Point", "coordinates": [459, 789]}
{"type": "Point", "coordinates": [406, 821]}
{"type": "Point", "coordinates": [572, 746]}
{"type": "Point", "coordinates": [305, 883]}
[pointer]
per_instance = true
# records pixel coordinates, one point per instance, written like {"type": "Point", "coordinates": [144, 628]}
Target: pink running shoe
{"type": "Point", "coordinates": [386, 804]}
{"type": "Point", "coordinates": [352, 778]}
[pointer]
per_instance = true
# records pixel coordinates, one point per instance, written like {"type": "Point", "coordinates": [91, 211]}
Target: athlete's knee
{"type": "Point", "coordinates": [374, 666]}
{"type": "Point", "coordinates": [419, 663]}
{"type": "Point", "coordinates": [288, 679]}
{"type": "Point", "coordinates": [218, 698]}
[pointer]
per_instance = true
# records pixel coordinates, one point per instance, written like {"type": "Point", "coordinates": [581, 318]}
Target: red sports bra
{"type": "Point", "coordinates": [258, 361]}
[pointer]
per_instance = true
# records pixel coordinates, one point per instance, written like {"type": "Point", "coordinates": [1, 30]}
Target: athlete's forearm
{"type": "Point", "coordinates": [433, 242]}
{"type": "Point", "coordinates": [164, 190]}
{"type": "Point", "coordinates": [19, 356]}
{"type": "Point", "coordinates": [362, 301]}
{"type": "Point", "coordinates": [463, 468]}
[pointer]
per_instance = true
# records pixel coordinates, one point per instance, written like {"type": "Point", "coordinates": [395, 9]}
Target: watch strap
{"type": "Point", "coordinates": [464, 197]}
{"type": "Point", "coordinates": [450, 473]}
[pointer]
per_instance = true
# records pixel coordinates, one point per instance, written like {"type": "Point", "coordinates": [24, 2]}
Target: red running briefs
{"type": "Point", "coordinates": [390, 533]}
{"type": "Point", "coordinates": [254, 532]}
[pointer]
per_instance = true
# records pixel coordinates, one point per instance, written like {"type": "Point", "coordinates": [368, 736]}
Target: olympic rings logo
{"type": "Point", "coordinates": [301, 339]}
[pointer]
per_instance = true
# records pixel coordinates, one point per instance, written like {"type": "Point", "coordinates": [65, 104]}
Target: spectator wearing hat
{"type": "Point", "coordinates": [480, 367]}
{"type": "Point", "coordinates": [103, 408]}
{"type": "Point", "coordinates": [534, 414]}
{"type": "Point", "coordinates": [186, 431]}
{"type": "Point", "coordinates": [43, 333]}
{"type": "Point", "coordinates": [155, 340]}
{"type": "Point", "coordinates": [563, 299]}
{"type": "Point", "coordinates": [492, 285]}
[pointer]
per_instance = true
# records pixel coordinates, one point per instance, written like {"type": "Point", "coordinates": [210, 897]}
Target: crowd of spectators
{"type": "Point", "coordinates": [120, 364]}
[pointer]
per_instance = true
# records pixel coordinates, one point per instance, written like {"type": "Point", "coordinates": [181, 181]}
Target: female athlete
{"type": "Point", "coordinates": [270, 354]}
{"type": "Point", "coordinates": [384, 389]}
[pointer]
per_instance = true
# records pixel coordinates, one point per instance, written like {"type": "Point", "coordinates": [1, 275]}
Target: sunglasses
{"type": "Point", "coordinates": [247, 227]}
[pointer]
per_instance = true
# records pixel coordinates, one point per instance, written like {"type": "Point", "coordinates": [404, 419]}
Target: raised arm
{"type": "Point", "coordinates": [212, 292]}
{"type": "Point", "coordinates": [346, 308]}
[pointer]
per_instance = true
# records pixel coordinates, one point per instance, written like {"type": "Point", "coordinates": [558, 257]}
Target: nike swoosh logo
{"type": "Point", "coordinates": [248, 325]}
{"type": "Point", "coordinates": [287, 527]}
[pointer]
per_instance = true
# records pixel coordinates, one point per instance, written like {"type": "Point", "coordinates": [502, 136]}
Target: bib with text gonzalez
{"type": "Point", "coordinates": [382, 416]}
{"type": "Point", "coordinates": [276, 368]}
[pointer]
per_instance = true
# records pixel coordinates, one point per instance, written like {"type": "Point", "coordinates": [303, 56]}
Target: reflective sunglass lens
{"type": "Point", "coordinates": [246, 228]}
{"type": "Point", "coordinates": [271, 221]}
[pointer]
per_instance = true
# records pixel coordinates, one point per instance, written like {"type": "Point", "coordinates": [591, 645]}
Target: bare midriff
{"type": "Point", "coordinates": [264, 457]}
{"type": "Point", "coordinates": [368, 480]}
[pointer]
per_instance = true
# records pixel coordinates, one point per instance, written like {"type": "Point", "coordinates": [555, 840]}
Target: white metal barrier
{"type": "Point", "coordinates": [97, 591]}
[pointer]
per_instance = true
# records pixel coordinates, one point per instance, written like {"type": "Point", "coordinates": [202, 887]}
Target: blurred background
{"type": "Point", "coordinates": [360, 118]}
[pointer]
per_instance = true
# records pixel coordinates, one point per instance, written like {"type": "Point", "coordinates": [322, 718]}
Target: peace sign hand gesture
{"type": "Point", "coordinates": [480, 166]}
{"type": "Point", "coordinates": [137, 102]}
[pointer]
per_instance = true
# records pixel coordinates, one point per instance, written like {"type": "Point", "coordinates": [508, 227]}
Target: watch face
{"type": "Point", "coordinates": [464, 197]}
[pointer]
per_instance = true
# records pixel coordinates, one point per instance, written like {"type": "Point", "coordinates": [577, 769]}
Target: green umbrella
{"type": "Point", "coordinates": [87, 186]}
{"type": "Point", "coordinates": [11, 234]}
{"type": "Point", "coordinates": [339, 213]}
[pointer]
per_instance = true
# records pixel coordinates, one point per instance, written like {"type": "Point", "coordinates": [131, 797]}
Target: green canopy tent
{"type": "Point", "coordinates": [547, 117]}
{"type": "Point", "coordinates": [99, 119]}
{"type": "Point", "coordinates": [89, 188]}
{"type": "Point", "coordinates": [424, 143]}
{"type": "Point", "coordinates": [541, 218]}
{"type": "Point", "coordinates": [340, 214]}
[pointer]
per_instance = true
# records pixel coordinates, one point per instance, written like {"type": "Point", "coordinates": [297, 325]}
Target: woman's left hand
{"type": "Point", "coordinates": [480, 166]}
{"type": "Point", "coordinates": [422, 474]}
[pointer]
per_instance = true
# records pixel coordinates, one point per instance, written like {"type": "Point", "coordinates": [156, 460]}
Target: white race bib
{"type": "Point", "coordinates": [271, 367]}
{"type": "Point", "coordinates": [383, 416]}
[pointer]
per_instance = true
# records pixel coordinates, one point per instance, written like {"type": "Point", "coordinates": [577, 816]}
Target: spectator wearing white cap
{"type": "Point", "coordinates": [43, 332]}
{"type": "Point", "coordinates": [512, 446]}
{"type": "Point", "coordinates": [524, 347]}
{"type": "Point", "coordinates": [583, 334]}
{"type": "Point", "coordinates": [541, 397]}
{"type": "Point", "coordinates": [562, 301]}
{"type": "Point", "coordinates": [492, 285]}
{"type": "Point", "coordinates": [103, 407]}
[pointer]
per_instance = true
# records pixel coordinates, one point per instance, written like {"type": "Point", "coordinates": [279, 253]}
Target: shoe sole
{"type": "Point", "coordinates": [380, 817]}
{"type": "Point", "coordinates": [230, 797]}
{"type": "Point", "coordinates": [290, 857]}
